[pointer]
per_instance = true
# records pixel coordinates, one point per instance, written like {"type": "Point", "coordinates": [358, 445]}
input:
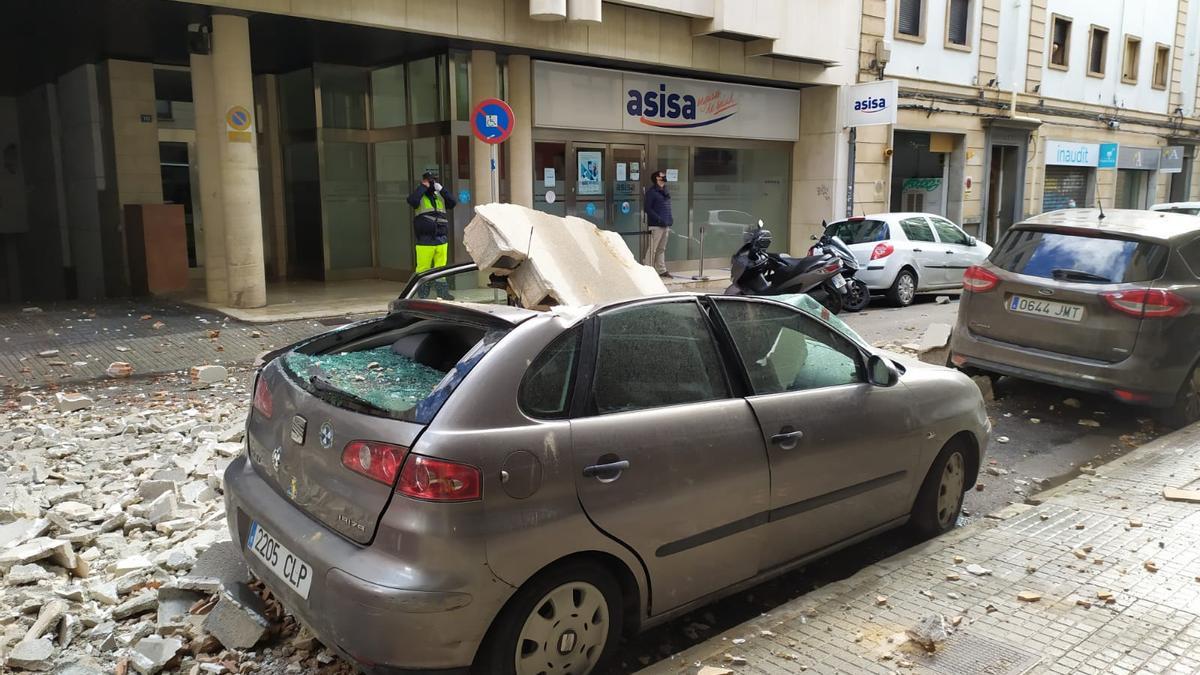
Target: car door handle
{"type": "Point", "coordinates": [605, 471]}
{"type": "Point", "coordinates": [949, 252]}
{"type": "Point", "coordinates": [918, 250]}
{"type": "Point", "coordinates": [787, 438]}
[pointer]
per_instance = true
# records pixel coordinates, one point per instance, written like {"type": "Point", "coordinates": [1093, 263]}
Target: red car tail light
{"type": "Point", "coordinates": [262, 398]}
{"type": "Point", "coordinates": [979, 280]}
{"type": "Point", "coordinates": [437, 480]}
{"type": "Point", "coordinates": [882, 251]}
{"type": "Point", "coordinates": [378, 461]}
{"type": "Point", "coordinates": [1131, 397]}
{"type": "Point", "coordinates": [1149, 303]}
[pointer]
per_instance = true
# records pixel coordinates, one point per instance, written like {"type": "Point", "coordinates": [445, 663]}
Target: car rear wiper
{"type": "Point", "coordinates": [1064, 274]}
{"type": "Point", "coordinates": [321, 384]}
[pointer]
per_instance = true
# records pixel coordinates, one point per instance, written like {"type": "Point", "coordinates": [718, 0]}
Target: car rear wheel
{"type": "Point", "coordinates": [565, 621]}
{"type": "Point", "coordinates": [904, 289]}
{"type": "Point", "coordinates": [1187, 404]}
{"type": "Point", "coordinates": [940, 500]}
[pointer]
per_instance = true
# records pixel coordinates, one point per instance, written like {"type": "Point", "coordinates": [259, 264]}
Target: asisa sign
{"type": "Point", "coordinates": [871, 103]}
{"type": "Point", "coordinates": [664, 108]}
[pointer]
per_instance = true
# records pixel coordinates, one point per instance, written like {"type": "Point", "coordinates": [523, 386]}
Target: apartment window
{"type": "Point", "coordinates": [1129, 66]}
{"type": "Point", "coordinates": [910, 20]}
{"type": "Point", "coordinates": [958, 24]}
{"type": "Point", "coordinates": [1097, 51]}
{"type": "Point", "coordinates": [1060, 42]}
{"type": "Point", "coordinates": [1162, 62]}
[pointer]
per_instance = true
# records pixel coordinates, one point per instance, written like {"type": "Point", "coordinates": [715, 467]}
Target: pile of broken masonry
{"type": "Point", "coordinates": [114, 551]}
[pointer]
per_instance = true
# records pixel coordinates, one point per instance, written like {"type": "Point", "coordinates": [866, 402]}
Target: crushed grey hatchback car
{"type": "Point", "coordinates": [1091, 300]}
{"type": "Point", "coordinates": [460, 486]}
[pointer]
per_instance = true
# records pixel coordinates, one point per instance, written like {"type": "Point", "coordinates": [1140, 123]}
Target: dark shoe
{"type": "Point", "coordinates": [666, 275]}
{"type": "Point", "coordinates": [445, 296]}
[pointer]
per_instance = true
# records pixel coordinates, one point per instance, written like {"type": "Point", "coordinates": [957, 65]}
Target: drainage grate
{"type": "Point", "coordinates": [335, 321]}
{"type": "Point", "coordinates": [978, 655]}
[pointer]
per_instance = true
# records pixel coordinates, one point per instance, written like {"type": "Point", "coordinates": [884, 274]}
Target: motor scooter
{"type": "Point", "coordinates": [754, 270]}
{"type": "Point", "coordinates": [856, 296]}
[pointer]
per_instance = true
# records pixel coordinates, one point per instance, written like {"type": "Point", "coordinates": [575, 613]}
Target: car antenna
{"type": "Point", "coordinates": [1101, 207]}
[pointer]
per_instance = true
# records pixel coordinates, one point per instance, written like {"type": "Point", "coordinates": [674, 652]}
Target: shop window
{"type": "Point", "coordinates": [1060, 42]}
{"type": "Point", "coordinates": [1129, 65]}
{"type": "Point", "coordinates": [388, 103]}
{"type": "Point", "coordinates": [343, 97]}
{"type": "Point", "coordinates": [426, 82]}
{"type": "Point", "coordinates": [1191, 255]}
{"type": "Point", "coordinates": [1097, 51]}
{"type": "Point", "coordinates": [910, 20]}
{"type": "Point", "coordinates": [1162, 64]}
{"type": "Point", "coordinates": [958, 24]}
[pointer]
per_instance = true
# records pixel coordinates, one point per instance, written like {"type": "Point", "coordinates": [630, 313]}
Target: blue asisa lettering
{"type": "Point", "coordinates": [870, 104]}
{"type": "Point", "coordinates": [661, 103]}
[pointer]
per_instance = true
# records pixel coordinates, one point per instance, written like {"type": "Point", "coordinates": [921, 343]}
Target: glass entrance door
{"type": "Point", "coordinates": [592, 186]}
{"type": "Point", "coordinates": [607, 187]}
{"type": "Point", "coordinates": [626, 204]}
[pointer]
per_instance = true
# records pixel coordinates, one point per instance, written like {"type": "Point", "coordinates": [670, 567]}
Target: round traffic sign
{"type": "Point", "coordinates": [238, 118]}
{"type": "Point", "coordinates": [492, 121]}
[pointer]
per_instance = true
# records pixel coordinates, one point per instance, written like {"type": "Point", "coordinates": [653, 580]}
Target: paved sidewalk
{"type": "Point", "coordinates": [154, 336]}
{"type": "Point", "coordinates": [1094, 535]}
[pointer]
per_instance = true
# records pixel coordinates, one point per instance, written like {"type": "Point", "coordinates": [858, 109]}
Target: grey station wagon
{"type": "Point", "coordinates": [465, 486]}
{"type": "Point", "coordinates": [1097, 301]}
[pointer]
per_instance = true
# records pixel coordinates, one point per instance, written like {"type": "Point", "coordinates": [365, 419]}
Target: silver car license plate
{"type": "Point", "coordinates": [294, 572]}
{"type": "Point", "coordinates": [1050, 308]}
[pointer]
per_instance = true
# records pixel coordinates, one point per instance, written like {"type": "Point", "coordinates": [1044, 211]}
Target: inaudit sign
{"type": "Point", "coordinates": [581, 97]}
{"type": "Point", "coordinates": [1065, 153]}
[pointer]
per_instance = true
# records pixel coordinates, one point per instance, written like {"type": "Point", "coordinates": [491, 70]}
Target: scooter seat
{"type": "Point", "coordinates": [805, 262]}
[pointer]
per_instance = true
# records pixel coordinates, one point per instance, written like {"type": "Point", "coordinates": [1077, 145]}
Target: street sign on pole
{"type": "Point", "coordinates": [492, 122]}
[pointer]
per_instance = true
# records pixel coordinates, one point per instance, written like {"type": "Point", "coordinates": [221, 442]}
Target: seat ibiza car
{"type": "Point", "coordinates": [903, 254]}
{"type": "Point", "coordinates": [466, 486]}
{"type": "Point", "coordinates": [1091, 300]}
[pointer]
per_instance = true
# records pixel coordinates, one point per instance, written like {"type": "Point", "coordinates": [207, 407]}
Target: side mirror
{"type": "Point", "coordinates": [882, 372]}
{"type": "Point", "coordinates": [971, 241]}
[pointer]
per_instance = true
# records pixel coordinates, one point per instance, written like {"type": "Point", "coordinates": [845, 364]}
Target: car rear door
{"type": "Point", "coordinates": [1046, 288]}
{"type": "Point", "coordinates": [843, 453]}
{"type": "Point", "coordinates": [927, 253]}
{"type": "Point", "coordinates": [956, 246]}
{"type": "Point", "coordinates": [667, 460]}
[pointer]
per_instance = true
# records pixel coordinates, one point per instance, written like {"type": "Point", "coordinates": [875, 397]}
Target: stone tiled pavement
{"type": "Point", "coordinates": [94, 335]}
{"type": "Point", "coordinates": [1117, 520]}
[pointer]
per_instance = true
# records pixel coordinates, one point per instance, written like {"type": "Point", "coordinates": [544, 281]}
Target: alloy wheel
{"type": "Point", "coordinates": [950, 490]}
{"type": "Point", "coordinates": [907, 288]}
{"type": "Point", "coordinates": [566, 632]}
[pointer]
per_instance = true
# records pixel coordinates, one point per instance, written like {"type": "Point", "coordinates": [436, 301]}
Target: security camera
{"type": "Point", "coordinates": [1114, 124]}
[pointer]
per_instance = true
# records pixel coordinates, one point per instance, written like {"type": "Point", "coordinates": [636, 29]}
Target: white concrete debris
{"type": "Point", "coordinates": [103, 507]}
{"type": "Point", "coordinates": [556, 261]}
{"type": "Point", "coordinates": [209, 374]}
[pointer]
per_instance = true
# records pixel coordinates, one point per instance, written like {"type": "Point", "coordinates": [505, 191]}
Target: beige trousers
{"type": "Point", "coordinates": [656, 255]}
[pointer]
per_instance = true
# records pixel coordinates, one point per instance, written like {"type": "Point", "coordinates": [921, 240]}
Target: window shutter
{"type": "Point", "coordinates": [958, 21]}
{"type": "Point", "coordinates": [909, 21]}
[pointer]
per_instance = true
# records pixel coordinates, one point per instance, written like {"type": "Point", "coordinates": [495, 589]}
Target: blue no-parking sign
{"type": "Point", "coordinates": [492, 121]}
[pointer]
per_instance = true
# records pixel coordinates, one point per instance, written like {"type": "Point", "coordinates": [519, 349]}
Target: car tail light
{"type": "Point", "coordinates": [262, 397]}
{"type": "Point", "coordinates": [882, 251]}
{"type": "Point", "coordinates": [979, 280]}
{"type": "Point", "coordinates": [378, 461]}
{"type": "Point", "coordinates": [834, 266]}
{"type": "Point", "coordinates": [958, 360]}
{"type": "Point", "coordinates": [437, 480]}
{"type": "Point", "coordinates": [1149, 303]}
{"type": "Point", "coordinates": [1131, 397]}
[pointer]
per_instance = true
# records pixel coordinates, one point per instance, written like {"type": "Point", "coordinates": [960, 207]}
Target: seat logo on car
{"type": "Point", "coordinates": [326, 435]}
{"type": "Point", "coordinates": [1045, 291]}
{"type": "Point", "coordinates": [299, 426]}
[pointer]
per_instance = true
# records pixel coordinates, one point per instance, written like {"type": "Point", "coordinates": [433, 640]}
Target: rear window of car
{"type": "Point", "coordinates": [404, 370]}
{"type": "Point", "coordinates": [1186, 210]}
{"type": "Point", "coordinates": [1073, 257]}
{"type": "Point", "coordinates": [860, 231]}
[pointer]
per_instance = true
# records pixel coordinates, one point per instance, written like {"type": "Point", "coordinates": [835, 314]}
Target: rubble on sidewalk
{"type": "Point", "coordinates": [550, 260]}
{"type": "Point", "coordinates": [930, 631]}
{"type": "Point", "coordinates": [935, 344]}
{"type": "Point", "coordinates": [114, 548]}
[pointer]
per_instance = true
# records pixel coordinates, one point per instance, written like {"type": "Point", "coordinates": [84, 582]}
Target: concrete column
{"type": "Point", "coordinates": [520, 145]}
{"type": "Point", "coordinates": [483, 85]}
{"type": "Point", "coordinates": [208, 125]}
{"type": "Point", "coordinates": [241, 204]}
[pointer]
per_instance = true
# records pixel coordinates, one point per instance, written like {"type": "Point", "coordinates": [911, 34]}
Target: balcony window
{"type": "Point", "coordinates": [1097, 51]}
{"type": "Point", "coordinates": [910, 20]}
{"type": "Point", "coordinates": [1162, 65]}
{"type": "Point", "coordinates": [1129, 67]}
{"type": "Point", "coordinates": [958, 24]}
{"type": "Point", "coordinates": [1060, 42]}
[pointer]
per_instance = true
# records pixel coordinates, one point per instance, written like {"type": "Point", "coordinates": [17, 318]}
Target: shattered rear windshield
{"type": "Point", "coordinates": [393, 384]}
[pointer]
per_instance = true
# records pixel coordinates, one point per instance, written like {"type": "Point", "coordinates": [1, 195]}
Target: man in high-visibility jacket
{"type": "Point", "coordinates": [431, 204]}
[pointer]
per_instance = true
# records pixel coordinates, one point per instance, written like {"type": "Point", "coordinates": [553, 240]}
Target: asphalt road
{"type": "Point", "coordinates": [1042, 436]}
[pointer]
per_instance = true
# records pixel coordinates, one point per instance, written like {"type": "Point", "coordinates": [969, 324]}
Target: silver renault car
{"type": "Point", "coordinates": [480, 488]}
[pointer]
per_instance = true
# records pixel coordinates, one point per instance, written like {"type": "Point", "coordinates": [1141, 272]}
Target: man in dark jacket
{"type": "Point", "coordinates": [431, 229]}
{"type": "Point", "coordinates": [658, 217]}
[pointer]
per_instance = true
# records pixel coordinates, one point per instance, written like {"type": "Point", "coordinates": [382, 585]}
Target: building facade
{"type": "Point", "coordinates": [1009, 108]}
{"type": "Point", "coordinates": [285, 135]}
